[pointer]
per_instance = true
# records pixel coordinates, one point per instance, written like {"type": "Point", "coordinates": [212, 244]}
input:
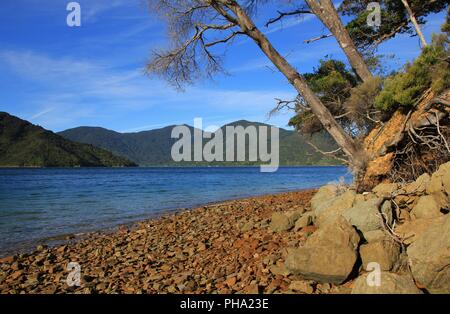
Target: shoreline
{"type": "Point", "coordinates": [169, 166]}
{"type": "Point", "coordinates": [223, 247]}
{"type": "Point", "coordinates": [66, 238]}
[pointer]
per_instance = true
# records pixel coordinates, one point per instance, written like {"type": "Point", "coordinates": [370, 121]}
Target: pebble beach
{"type": "Point", "coordinates": [219, 248]}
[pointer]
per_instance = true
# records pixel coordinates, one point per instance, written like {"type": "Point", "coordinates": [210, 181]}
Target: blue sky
{"type": "Point", "coordinates": [62, 77]}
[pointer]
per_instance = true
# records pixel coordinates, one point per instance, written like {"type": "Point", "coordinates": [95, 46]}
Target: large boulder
{"type": "Point", "coordinates": [335, 207]}
{"type": "Point", "coordinates": [323, 198]}
{"type": "Point", "coordinates": [439, 185]}
{"type": "Point", "coordinates": [389, 284]}
{"type": "Point", "coordinates": [429, 257]}
{"type": "Point", "coordinates": [366, 215]}
{"type": "Point", "coordinates": [426, 207]}
{"type": "Point", "coordinates": [328, 255]}
{"type": "Point", "coordinates": [385, 252]}
{"type": "Point", "coordinates": [411, 231]}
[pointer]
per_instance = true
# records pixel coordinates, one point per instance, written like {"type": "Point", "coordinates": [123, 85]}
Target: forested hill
{"type": "Point", "coordinates": [23, 144]}
{"type": "Point", "coordinates": [153, 148]}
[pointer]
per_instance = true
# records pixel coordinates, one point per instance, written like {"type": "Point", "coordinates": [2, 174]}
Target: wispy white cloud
{"type": "Point", "coordinates": [76, 89]}
{"type": "Point", "coordinates": [41, 113]}
{"type": "Point", "coordinates": [93, 8]}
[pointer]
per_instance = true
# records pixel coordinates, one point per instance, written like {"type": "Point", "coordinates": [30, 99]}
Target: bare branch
{"type": "Point", "coordinates": [308, 41]}
{"type": "Point", "coordinates": [281, 15]}
{"type": "Point", "coordinates": [224, 40]}
{"type": "Point", "coordinates": [330, 154]}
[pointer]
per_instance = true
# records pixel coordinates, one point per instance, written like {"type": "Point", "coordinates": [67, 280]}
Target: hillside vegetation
{"type": "Point", "coordinates": [23, 144]}
{"type": "Point", "coordinates": [152, 148]}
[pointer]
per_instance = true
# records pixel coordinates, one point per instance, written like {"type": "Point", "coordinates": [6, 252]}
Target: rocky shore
{"type": "Point", "coordinates": [395, 239]}
{"type": "Point", "coordinates": [222, 248]}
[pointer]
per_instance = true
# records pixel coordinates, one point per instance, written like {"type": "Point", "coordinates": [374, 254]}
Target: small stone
{"type": "Point", "coordinates": [230, 282]}
{"type": "Point", "coordinates": [8, 260]}
{"type": "Point", "coordinates": [41, 248]}
{"type": "Point", "coordinates": [252, 289]}
{"type": "Point", "coordinates": [304, 221]}
{"type": "Point", "coordinates": [247, 226]}
{"type": "Point", "coordinates": [201, 246]}
{"type": "Point", "coordinates": [280, 270]}
{"type": "Point", "coordinates": [301, 286]}
{"type": "Point", "coordinates": [16, 275]}
{"type": "Point", "coordinates": [281, 222]}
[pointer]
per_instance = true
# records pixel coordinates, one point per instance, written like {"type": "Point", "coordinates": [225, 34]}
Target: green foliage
{"type": "Point", "coordinates": [429, 70]}
{"type": "Point", "coordinates": [23, 144]}
{"type": "Point", "coordinates": [394, 19]}
{"type": "Point", "coordinates": [446, 26]}
{"type": "Point", "coordinates": [360, 104]}
{"type": "Point", "coordinates": [331, 82]}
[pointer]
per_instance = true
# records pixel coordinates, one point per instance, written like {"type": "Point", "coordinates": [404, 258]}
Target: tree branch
{"type": "Point", "coordinates": [331, 153]}
{"type": "Point", "coordinates": [308, 41]}
{"type": "Point", "coordinates": [281, 15]}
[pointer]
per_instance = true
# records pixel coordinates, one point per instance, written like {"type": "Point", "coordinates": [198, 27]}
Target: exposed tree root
{"type": "Point", "coordinates": [409, 144]}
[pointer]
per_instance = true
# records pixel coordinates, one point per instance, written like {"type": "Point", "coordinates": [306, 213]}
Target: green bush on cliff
{"type": "Point", "coordinates": [430, 70]}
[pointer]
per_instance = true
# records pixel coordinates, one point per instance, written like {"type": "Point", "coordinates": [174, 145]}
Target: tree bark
{"type": "Point", "coordinates": [326, 12]}
{"type": "Point", "coordinates": [318, 108]}
{"type": "Point", "coordinates": [415, 23]}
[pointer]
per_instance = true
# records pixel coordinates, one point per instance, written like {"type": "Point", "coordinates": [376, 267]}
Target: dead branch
{"type": "Point", "coordinates": [281, 15]}
{"type": "Point", "coordinates": [329, 154]}
{"type": "Point", "coordinates": [308, 41]}
{"type": "Point", "coordinates": [297, 105]}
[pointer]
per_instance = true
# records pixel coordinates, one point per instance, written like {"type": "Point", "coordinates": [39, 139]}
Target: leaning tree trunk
{"type": "Point", "coordinates": [415, 23]}
{"type": "Point", "coordinates": [326, 12]}
{"type": "Point", "coordinates": [344, 141]}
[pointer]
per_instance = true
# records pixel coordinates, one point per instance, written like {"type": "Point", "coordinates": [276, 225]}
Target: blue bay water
{"type": "Point", "coordinates": [37, 204]}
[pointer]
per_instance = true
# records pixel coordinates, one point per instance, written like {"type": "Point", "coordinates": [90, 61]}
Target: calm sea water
{"type": "Point", "coordinates": [38, 204]}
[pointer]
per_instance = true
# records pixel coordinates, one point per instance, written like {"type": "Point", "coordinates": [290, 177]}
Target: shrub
{"type": "Point", "coordinates": [429, 70]}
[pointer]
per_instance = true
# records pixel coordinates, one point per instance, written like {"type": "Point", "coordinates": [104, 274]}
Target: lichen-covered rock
{"type": "Point", "coordinates": [426, 207]}
{"type": "Point", "coordinates": [328, 255]}
{"type": "Point", "coordinates": [335, 207]}
{"type": "Point", "coordinates": [429, 257]}
{"type": "Point", "coordinates": [323, 198]}
{"type": "Point", "coordinates": [389, 284]}
{"type": "Point", "coordinates": [365, 216]}
{"type": "Point", "coordinates": [385, 252]}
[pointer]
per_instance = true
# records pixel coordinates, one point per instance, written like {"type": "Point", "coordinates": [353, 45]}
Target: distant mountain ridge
{"type": "Point", "coordinates": [153, 147]}
{"type": "Point", "coordinates": [23, 144]}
